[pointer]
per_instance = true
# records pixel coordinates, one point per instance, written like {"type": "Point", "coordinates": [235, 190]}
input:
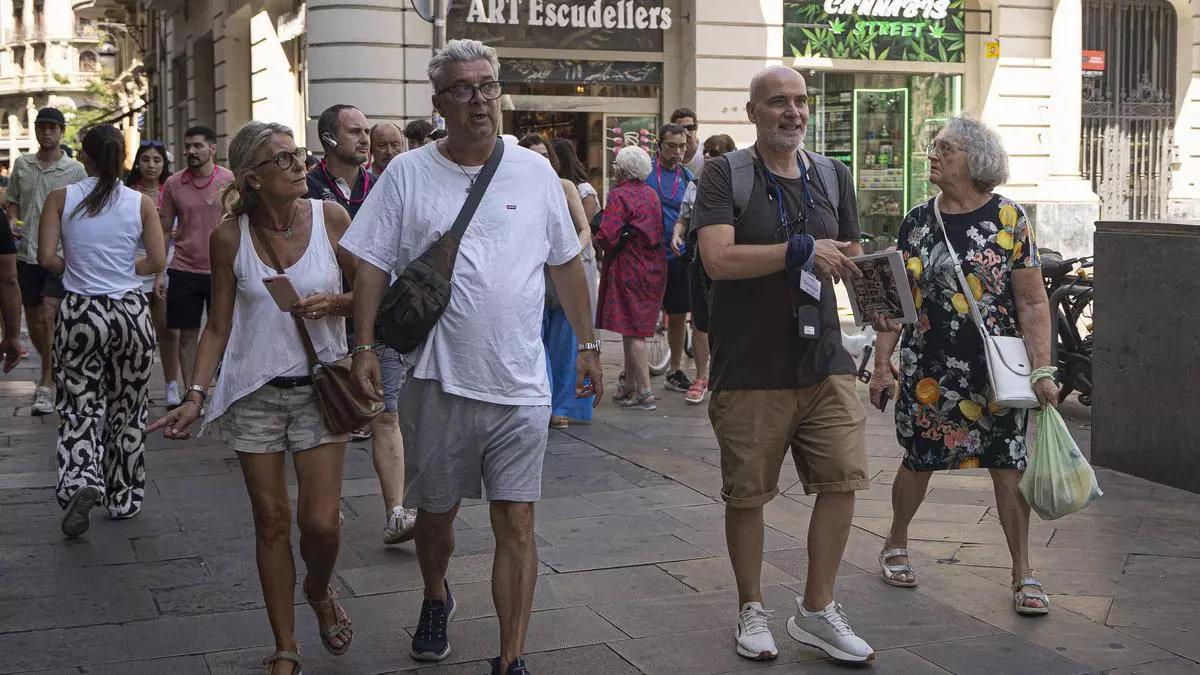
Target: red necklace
{"type": "Point", "coordinates": [349, 199]}
{"type": "Point", "coordinates": [678, 178]}
{"type": "Point", "coordinates": [211, 177]}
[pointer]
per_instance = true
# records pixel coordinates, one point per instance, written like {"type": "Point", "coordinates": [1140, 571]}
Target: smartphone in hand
{"type": "Point", "coordinates": [282, 291]}
{"type": "Point", "coordinates": [885, 396]}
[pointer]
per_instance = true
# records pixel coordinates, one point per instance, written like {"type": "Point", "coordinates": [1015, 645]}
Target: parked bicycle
{"type": "Point", "coordinates": [1069, 286]}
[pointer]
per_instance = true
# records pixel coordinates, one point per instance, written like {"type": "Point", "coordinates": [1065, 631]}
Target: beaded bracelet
{"type": "Point", "coordinates": [1043, 373]}
{"type": "Point", "coordinates": [361, 348]}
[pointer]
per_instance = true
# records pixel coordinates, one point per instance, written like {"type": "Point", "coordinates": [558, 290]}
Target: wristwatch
{"type": "Point", "coordinates": [593, 346]}
{"type": "Point", "coordinates": [199, 389]}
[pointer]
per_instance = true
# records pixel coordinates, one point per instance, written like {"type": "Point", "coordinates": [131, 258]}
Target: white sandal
{"type": "Point", "coordinates": [1019, 597]}
{"type": "Point", "coordinates": [890, 572]}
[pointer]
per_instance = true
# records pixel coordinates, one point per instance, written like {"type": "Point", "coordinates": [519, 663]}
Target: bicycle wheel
{"type": "Point", "coordinates": [659, 353]}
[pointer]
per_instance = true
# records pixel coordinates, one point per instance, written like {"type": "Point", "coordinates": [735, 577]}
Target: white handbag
{"type": "Point", "coordinates": [1009, 365]}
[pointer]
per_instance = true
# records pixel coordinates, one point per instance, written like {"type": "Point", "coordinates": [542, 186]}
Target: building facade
{"type": "Point", "coordinates": [1093, 98]}
{"type": "Point", "coordinates": [48, 56]}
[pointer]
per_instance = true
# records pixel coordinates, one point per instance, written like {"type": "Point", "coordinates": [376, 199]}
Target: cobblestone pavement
{"type": "Point", "coordinates": [634, 573]}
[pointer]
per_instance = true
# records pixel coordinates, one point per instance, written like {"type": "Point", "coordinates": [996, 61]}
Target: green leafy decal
{"type": "Point", "coordinates": [811, 32]}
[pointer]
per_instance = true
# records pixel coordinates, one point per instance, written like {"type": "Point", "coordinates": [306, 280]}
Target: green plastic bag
{"type": "Point", "coordinates": [1058, 481]}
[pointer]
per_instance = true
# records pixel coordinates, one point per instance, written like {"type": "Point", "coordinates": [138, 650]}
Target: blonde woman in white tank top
{"type": "Point", "coordinates": [264, 405]}
{"type": "Point", "coordinates": [103, 340]}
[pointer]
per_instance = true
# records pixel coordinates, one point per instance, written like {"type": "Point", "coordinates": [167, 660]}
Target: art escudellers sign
{"type": "Point", "coordinates": [628, 25]}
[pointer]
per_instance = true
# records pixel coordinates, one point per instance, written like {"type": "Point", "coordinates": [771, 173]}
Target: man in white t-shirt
{"type": "Point", "coordinates": [477, 404]}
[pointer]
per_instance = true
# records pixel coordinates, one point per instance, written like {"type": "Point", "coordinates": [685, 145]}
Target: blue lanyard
{"type": "Point", "coordinates": [777, 189]}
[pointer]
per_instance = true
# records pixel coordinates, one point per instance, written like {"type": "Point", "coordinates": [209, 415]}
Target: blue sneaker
{"type": "Point", "coordinates": [430, 642]}
{"type": "Point", "coordinates": [515, 668]}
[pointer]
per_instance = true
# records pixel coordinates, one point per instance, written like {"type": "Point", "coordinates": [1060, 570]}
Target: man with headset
{"type": "Point", "coordinates": [340, 177]}
{"type": "Point", "coordinates": [776, 224]}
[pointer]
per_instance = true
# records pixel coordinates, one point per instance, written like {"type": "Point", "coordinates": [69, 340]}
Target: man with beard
{"type": "Point", "coordinates": [191, 203]}
{"type": "Point", "coordinates": [387, 141]}
{"type": "Point", "coordinates": [340, 177]}
{"type": "Point", "coordinates": [776, 224]}
{"type": "Point", "coordinates": [34, 176]}
{"type": "Point", "coordinates": [476, 409]}
{"type": "Point", "coordinates": [670, 179]}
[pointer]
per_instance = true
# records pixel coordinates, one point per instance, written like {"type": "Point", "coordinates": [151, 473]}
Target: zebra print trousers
{"type": "Point", "coordinates": [103, 353]}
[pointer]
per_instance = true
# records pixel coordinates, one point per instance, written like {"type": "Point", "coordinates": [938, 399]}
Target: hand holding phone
{"type": "Point", "coordinates": [282, 291]}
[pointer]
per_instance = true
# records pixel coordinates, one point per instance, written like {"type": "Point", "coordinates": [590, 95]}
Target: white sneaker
{"type": "Point", "coordinates": [829, 631]}
{"type": "Point", "coordinates": [173, 398]}
{"type": "Point", "coordinates": [754, 639]}
{"type": "Point", "coordinates": [43, 401]}
{"type": "Point", "coordinates": [400, 525]}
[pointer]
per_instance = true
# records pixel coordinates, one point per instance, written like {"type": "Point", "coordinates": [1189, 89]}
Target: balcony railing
{"type": "Point", "coordinates": [45, 81]}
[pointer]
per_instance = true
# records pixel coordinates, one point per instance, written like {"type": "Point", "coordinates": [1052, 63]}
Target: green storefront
{"type": "Point", "coordinates": [883, 77]}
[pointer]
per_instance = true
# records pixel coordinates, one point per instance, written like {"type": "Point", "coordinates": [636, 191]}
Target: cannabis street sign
{"type": "Point", "coordinates": [883, 30]}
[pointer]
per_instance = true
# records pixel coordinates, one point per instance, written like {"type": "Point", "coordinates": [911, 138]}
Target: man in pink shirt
{"type": "Point", "coordinates": [193, 197]}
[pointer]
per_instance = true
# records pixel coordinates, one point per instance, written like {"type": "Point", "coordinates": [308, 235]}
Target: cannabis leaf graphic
{"type": "Point", "coordinates": [837, 26]}
{"type": "Point", "coordinates": [937, 32]}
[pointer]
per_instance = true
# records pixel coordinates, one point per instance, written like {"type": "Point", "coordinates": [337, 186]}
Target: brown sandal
{"type": "Point", "coordinates": [340, 629]}
{"type": "Point", "coordinates": [294, 657]}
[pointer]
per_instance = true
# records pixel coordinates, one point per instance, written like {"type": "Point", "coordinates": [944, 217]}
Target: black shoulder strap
{"type": "Point", "coordinates": [467, 212]}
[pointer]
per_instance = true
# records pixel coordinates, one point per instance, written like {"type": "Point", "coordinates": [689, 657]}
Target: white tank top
{"type": "Point", "coordinates": [100, 250]}
{"type": "Point", "coordinates": [264, 342]}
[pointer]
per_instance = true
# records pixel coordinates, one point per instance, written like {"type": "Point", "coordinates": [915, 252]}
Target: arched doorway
{"type": "Point", "coordinates": [1129, 104]}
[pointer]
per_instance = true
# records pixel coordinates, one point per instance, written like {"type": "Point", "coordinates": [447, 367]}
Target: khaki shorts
{"type": "Point", "coordinates": [823, 425]}
{"type": "Point", "coordinates": [274, 419]}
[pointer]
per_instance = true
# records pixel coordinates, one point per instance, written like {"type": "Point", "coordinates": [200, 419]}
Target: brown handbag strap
{"type": "Point", "coordinates": [305, 338]}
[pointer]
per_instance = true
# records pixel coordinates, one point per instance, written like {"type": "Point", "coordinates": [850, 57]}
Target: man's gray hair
{"type": "Point", "coordinates": [987, 162]}
{"type": "Point", "coordinates": [460, 51]}
{"type": "Point", "coordinates": [633, 161]}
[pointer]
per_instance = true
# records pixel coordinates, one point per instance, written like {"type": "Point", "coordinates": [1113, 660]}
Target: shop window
{"type": "Point", "coordinates": [879, 125]}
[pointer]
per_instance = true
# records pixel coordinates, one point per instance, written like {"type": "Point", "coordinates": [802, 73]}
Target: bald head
{"type": "Point", "coordinates": [778, 107]}
{"type": "Point", "coordinates": [772, 78]}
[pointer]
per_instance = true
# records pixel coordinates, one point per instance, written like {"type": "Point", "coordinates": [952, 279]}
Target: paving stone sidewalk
{"type": "Point", "coordinates": [634, 573]}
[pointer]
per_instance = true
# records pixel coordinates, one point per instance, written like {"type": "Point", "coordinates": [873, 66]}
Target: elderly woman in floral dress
{"type": "Point", "coordinates": [945, 417]}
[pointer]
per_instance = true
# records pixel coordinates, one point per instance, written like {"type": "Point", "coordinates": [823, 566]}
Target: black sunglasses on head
{"type": "Point", "coordinates": [152, 144]}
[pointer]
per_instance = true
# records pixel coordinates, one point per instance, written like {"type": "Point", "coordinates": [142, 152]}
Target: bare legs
{"type": "Point", "coordinates": [168, 340]}
{"type": "Point", "coordinates": [700, 349]}
{"type": "Point", "coordinates": [676, 337]}
{"type": "Point", "coordinates": [1014, 519]}
{"type": "Point", "coordinates": [908, 491]}
{"type": "Point", "coordinates": [828, 530]}
{"type": "Point", "coordinates": [41, 321]}
{"type": "Point", "coordinates": [387, 453]}
{"type": "Point", "coordinates": [514, 570]}
{"type": "Point", "coordinates": [744, 538]}
{"type": "Point", "coordinates": [827, 534]}
{"type": "Point", "coordinates": [319, 475]}
{"type": "Point", "coordinates": [189, 339]}
{"type": "Point", "coordinates": [514, 574]}
{"type": "Point", "coordinates": [637, 363]}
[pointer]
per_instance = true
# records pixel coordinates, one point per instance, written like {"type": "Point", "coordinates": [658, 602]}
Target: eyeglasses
{"type": "Point", "coordinates": [465, 93]}
{"type": "Point", "coordinates": [689, 127]}
{"type": "Point", "coordinates": [678, 147]}
{"type": "Point", "coordinates": [284, 159]}
{"type": "Point", "coordinates": [941, 148]}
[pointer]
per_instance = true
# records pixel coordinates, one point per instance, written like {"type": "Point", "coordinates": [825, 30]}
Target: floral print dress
{"type": "Point", "coordinates": [945, 418]}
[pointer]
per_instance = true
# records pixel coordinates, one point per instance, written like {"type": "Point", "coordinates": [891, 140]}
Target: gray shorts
{"type": "Point", "coordinates": [273, 419]}
{"type": "Point", "coordinates": [391, 371]}
{"type": "Point", "coordinates": [452, 443]}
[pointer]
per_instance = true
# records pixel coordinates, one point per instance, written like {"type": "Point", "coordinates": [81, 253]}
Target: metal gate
{"type": "Point", "coordinates": [1129, 105]}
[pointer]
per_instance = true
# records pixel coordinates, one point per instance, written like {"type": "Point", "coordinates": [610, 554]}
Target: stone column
{"type": "Point", "coordinates": [1066, 212]}
{"type": "Point", "coordinates": [370, 54]}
